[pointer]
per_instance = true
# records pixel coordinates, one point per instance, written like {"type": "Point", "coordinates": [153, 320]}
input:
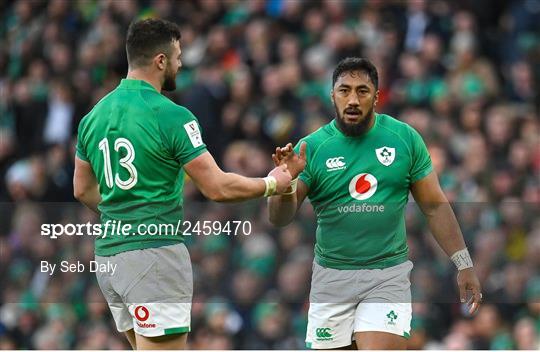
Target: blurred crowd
{"type": "Point", "coordinates": [257, 74]}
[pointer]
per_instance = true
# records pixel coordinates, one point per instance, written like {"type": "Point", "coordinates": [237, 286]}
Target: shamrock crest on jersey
{"type": "Point", "coordinates": [386, 155]}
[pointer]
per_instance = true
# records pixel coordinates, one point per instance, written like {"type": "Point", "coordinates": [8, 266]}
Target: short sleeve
{"type": "Point", "coordinates": [80, 150]}
{"type": "Point", "coordinates": [305, 176]}
{"type": "Point", "coordinates": [182, 134]}
{"type": "Point", "coordinates": [421, 161]}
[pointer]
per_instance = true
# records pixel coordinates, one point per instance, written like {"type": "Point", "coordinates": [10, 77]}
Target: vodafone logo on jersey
{"type": "Point", "coordinates": [363, 186]}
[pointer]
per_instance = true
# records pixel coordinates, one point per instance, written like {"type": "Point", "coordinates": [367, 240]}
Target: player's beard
{"type": "Point", "coordinates": [354, 129]}
{"type": "Point", "coordinates": [169, 84]}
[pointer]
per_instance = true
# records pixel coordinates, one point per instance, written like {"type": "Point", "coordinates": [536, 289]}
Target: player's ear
{"type": "Point", "coordinates": [376, 98]}
{"type": "Point", "coordinates": [161, 61]}
{"type": "Point", "coordinates": [332, 96]}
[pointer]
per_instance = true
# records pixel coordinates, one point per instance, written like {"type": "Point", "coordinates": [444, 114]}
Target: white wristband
{"type": "Point", "coordinates": [271, 184]}
{"type": "Point", "coordinates": [294, 185]}
{"type": "Point", "coordinates": [462, 259]}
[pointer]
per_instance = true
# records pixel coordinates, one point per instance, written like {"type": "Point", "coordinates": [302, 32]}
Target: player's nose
{"type": "Point", "coordinates": [353, 101]}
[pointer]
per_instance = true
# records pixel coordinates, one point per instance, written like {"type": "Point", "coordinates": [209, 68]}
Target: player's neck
{"type": "Point", "coordinates": [143, 75]}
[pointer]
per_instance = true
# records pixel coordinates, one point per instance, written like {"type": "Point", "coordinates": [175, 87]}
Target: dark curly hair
{"type": "Point", "coordinates": [149, 37]}
{"type": "Point", "coordinates": [356, 64]}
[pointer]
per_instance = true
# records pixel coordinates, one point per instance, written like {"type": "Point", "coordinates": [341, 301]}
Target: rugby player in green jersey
{"type": "Point", "coordinates": [357, 172]}
{"type": "Point", "coordinates": [132, 151]}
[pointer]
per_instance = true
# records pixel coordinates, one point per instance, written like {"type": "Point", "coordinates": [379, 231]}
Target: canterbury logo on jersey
{"type": "Point", "coordinates": [335, 164]}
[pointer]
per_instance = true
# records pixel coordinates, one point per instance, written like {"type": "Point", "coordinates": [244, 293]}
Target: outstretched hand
{"type": "Point", "coordinates": [295, 162]}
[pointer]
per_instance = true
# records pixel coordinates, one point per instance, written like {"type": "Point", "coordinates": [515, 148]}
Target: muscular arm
{"type": "Point", "coordinates": [85, 186]}
{"type": "Point", "coordinates": [443, 224]}
{"type": "Point", "coordinates": [220, 186]}
{"type": "Point", "coordinates": [282, 208]}
{"type": "Point", "coordinates": [441, 218]}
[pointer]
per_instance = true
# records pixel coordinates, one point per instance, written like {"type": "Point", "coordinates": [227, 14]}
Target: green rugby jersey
{"type": "Point", "coordinates": [359, 187]}
{"type": "Point", "coordinates": [137, 141]}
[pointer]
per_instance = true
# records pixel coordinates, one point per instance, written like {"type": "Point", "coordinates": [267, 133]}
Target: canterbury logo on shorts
{"type": "Point", "coordinates": [323, 334]}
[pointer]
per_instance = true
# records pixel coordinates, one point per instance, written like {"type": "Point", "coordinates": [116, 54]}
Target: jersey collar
{"type": "Point", "coordinates": [128, 83]}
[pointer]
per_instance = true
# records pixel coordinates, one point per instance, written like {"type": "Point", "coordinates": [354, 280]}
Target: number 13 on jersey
{"type": "Point", "coordinates": [126, 162]}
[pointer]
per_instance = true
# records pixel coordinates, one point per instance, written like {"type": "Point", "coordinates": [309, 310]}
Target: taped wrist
{"type": "Point", "coordinates": [462, 259]}
{"type": "Point", "coordinates": [271, 186]}
{"type": "Point", "coordinates": [294, 185]}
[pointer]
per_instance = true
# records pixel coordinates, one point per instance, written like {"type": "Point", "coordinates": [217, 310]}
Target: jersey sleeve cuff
{"type": "Point", "coordinates": [81, 156]}
{"type": "Point", "coordinates": [420, 175]}
{"type": "Point", "coordinates": [193, 155]}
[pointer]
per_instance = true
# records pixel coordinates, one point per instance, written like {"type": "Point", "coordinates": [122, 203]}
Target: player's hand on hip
{"type": "Point", "coordinates": [468, 281]}
{"type": "Point", "coordinates": [295, 162]}
{"type": "Point", "coordinates": [282, 176]}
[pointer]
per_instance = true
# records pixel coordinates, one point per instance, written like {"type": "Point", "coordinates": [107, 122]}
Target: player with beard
{"type": "Point", "coordinates": [132, 151]}
{"type": "Point", "coordinates": [357, 172]}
